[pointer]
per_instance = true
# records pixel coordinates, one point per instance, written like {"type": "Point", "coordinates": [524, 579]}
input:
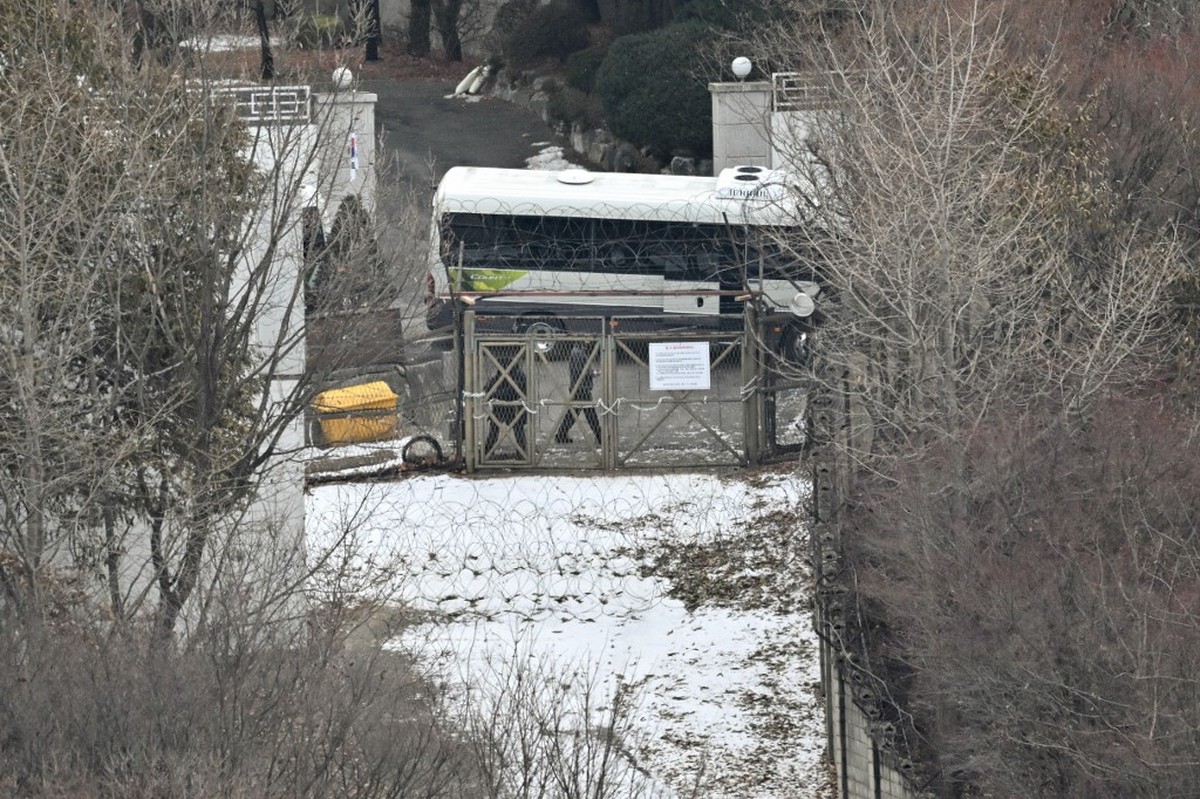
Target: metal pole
{"type": "Point", "coordinates": [531, 390]}
{"type": "Point", "coordinates": [751, 384]}
{"type": "Point", "coordinates": [608, 428]}
{"type": "Point", "coordinates": [470, 390]}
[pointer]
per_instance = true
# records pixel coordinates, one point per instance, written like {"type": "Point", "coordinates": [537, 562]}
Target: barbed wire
{"type": "Point", "coordinates": [574, 578]}
{"type": "Point", "coordinates": [496, 548]}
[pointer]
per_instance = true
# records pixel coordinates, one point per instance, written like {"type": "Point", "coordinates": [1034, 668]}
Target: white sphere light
{"type": "Point", "coordinates": [741, 67]}
{"type": "Point", "coordinates": [343, 77]}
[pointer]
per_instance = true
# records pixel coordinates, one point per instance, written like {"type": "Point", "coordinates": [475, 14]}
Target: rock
{"type": "Point", "coordinates": [539, 104]}
{"type": "Point", "coordinates": [624, 158]}
{"type": "Point", "coordinates": [683, 166]}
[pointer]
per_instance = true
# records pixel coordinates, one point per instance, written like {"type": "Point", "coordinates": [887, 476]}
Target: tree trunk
{"type": "Point", "coordinates": [264, 39]}
{"type": "Point", "coordinates": [447, 12]}
{"type": "Point", "coordinates": [418, 28]}
{"type": "Point", "coordinates": [374, 30]}
{"type": "Point", "coordinates": [112, 561]}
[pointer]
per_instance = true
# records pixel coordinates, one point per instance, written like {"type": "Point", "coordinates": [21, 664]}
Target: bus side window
{"type": "Point", "coordinates": [470, 234]}
{"type": "Point", "coordinates": [672, 265]}
{"type": "Point", "coordinates": [708, 265]}
{"type": "Point", "coordinates": [620, 256]}
{"type": "Point", "coordinates": [571, 244]}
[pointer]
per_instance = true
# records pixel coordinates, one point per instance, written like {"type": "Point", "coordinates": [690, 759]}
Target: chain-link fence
{"type": "Point", "coordinates": [626, 393]}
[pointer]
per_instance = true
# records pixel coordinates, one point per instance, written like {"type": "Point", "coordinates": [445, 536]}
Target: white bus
{"type": "Point", "coordinates": [519, 245]}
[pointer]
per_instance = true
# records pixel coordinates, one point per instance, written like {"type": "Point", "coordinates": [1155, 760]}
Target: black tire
{"type": "Point", "coordinates": [542, 332]}
{"type": "Point", "coordinates": [422, 451]}
{"type": "Point", "coordinates": [795, 346]}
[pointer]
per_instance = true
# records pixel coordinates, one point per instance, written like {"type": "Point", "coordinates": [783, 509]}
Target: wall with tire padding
{"type": "Point", "coordinates": [865, 739]}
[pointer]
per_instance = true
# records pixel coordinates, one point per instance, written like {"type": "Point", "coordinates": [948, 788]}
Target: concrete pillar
{"type": "Point", "coordinates": [741, 114]}
{"type": "Point", "coordinates": [346, 120]}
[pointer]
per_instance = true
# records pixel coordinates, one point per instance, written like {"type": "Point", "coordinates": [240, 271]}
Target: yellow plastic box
{"type": "Point", "coordinates": [354, 414]}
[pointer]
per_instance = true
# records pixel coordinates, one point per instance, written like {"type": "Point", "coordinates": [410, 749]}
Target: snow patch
{"type": "Point", "coordinates": [550, 157]}
{"type": "Point", "coordinates": [559, 571]}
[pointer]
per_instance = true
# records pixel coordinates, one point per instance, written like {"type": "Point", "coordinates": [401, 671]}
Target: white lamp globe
{"type": "Point", "coordinates": [343, 77]}
{"type": "Point", "coordinates": [741, 67]}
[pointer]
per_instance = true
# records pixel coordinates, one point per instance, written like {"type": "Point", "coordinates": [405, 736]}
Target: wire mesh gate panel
{"type": "Point", "coordinates": [533, 399]}
{"type": "Point", "coordinates": [657, 425]}
{"type": "Point", "coordinates": [623, 393]}
{"type": "Point", "coordinates": [784, 384]}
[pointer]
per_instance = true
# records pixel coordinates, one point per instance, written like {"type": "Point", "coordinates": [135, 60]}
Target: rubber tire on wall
{"type": "Point", "coordinates": [416, 450]}
{"type": "Point", "coordinates": [795, 347]}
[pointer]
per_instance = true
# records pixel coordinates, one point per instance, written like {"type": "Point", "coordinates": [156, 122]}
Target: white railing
{"type": "Point", "coordinates": [809, 91]}
{"type": "Point", "coordinates": [264, 105]}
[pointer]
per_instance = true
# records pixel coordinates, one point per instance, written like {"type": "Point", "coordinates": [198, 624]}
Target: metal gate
{"type": "Point", "coordinates": [610, 393]}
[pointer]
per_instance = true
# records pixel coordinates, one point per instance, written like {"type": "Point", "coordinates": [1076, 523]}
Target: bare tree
{"type": "Point", "coordinates": [152, 250]}
{"type": "Point", "coordinates": [418, 28]}
{"type": "Point", "coordinates": [1000, 324]}
{"type": "Point", "coordinates": [959, 220]}
{"type": "Point", "coordinates": [153, 244]}
{"type": "Point", "coordinates": [446, 14]}
{"type": "Point", "coordinates": [459, 23]}
{"type": "Point", "coordinates": [1045, 640]}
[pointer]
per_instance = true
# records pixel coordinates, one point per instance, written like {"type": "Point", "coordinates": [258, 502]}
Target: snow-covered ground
{"type": "Point", "coordinates": [223, 42]}
{"type": "Point", "coordinates": [549, 157]}
{"type": "Point", "coordinates": [687, 592]}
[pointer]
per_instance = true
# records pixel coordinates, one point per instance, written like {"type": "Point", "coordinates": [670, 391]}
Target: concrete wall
{"type": "Point", "coordinates": [344, 118]}
{"type": "Point", "coordinates": [270, 535]}
{"type": "Point", "coordinates": [862, 738]}
{"type": "Point", "coordinates": [263, 544]}
{"type": "Point", "coordinates": [859, 744]}
{"type": "Point", "coordinates": [746, 129]}
{"type": "Point", "coordinates": [789, 132]}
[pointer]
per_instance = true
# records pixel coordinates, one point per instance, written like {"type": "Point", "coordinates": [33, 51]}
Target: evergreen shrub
{"type": "Point", "coordinates": [651, 93]}
{"type": "Point", "coordinates": [509, 17]}
{"type": "Point", "coordinates": [583, 66]}
{"type": "Point", "coordinates": [570, 105]}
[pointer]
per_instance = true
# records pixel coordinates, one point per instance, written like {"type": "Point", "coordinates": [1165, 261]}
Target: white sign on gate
{"type": "Point", "coordinates": [680, 366]}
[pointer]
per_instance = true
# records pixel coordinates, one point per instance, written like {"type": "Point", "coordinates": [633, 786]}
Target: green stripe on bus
{"type": "Point", "coordinates": [487, 279]}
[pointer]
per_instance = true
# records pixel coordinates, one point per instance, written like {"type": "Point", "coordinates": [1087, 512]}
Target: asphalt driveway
{"type": "Point", "coordinates": [422, 132]}
{"type": "Point", "coordinates": [425, 132]}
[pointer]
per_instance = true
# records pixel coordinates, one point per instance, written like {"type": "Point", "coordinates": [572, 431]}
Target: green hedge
{"type": "Point", "coordinates": [583, 66]}
{"type": "Point", "coordinates": [652, 93]}
{"type": "Point", "coordinates": [569, 106]}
